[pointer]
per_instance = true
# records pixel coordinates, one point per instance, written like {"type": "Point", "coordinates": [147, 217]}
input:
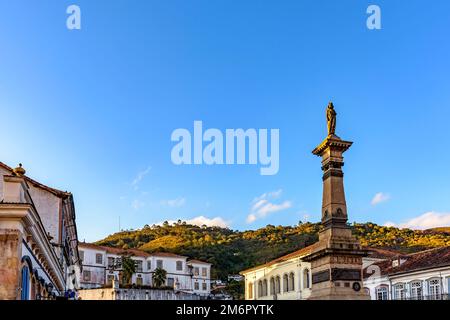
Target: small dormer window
{"type": "Point", "coordinates": [395, 263]}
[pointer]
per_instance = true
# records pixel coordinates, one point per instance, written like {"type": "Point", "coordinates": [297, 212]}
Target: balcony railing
{"type": "Point", "coordinates": [429, 297]}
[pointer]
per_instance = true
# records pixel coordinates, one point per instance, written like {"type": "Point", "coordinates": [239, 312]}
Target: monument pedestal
{"type": "Point", "coordinates": [336, 259]}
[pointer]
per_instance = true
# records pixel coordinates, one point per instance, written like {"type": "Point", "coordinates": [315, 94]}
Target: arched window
{"type": "Point", "coordinates": [306, 280]}
{"type": "Point", "coordinates": [291, 282]}
{"type": "Point", "coordinates": [278, 285]}
{"type": "Point", "coordinates": [24, 295]}
{"type": "Point", "coordinates": [285, 283]}
{"type": "Point", "coordinates": [416, 290]}
{"type": "Point", "coordinates": [399, 291]}
{"type": "Point", "coordinates": [265, 287]}
{"type": "Point", "coordinates": [272, 286]}
{"type": "Point", "coordinates": [250, 290]}
{"type": "Point", "coordinates": [260, 289]}
{"type": "Point", "coordinates": [434, 289]}
{"type": "Point", "coordinates": [382, 293]}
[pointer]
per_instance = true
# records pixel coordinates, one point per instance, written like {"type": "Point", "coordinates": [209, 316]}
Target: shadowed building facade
{"type": "Point", "coordinates": [38, 238]}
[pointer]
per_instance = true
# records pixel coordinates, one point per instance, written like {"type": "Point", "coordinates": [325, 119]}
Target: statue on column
{"type": "Point", "coordinates": [331, 119]}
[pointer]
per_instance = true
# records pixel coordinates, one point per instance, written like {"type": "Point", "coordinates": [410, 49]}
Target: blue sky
{"type": "Point", "coordinates": [92, 110]}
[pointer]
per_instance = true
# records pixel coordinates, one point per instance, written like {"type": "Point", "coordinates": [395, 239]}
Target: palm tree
{"type": "Point", "coordinates": [159, 277]}
{"type": "Point", "coordinates": [128, 269]}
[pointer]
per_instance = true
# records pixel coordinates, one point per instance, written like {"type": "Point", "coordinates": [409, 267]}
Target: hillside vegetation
{"type": "Point", "coordinates": [233, 251]}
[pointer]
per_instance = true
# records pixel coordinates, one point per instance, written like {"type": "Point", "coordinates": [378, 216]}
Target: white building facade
{"type": "Point", "coordinates": [388, 275]}
{"type": "Point", "coordinates": [421, 276]}
{"type": "Point", "coordinates": [99, 269]}
{"type": "Point", "coordinates": [286, 278]}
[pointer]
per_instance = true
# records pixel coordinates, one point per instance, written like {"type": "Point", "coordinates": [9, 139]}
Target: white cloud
{"type": "Point", "coordinates": [269, 195]}
{"type": "Point", "coordinates": [251, 218]}
{"type": "Point", "coordinates": [265, 207]}
{"type": "Point", "coordinates": [174, 203]}
{"type": "Point", "coordinates": [137, 204]}
{"type": "Point", "coordinates": [202, 220]}
{"type": "Point", "coordinates": [379, 198]}
{"type": "Point", "coordinates": [139, 177]}
{"type": "Point", "coordinates": [389, 224]}
{"type": "Point", "coordinates": [427, 220]}
{"type": "Point", "coordinates": [262, 206]}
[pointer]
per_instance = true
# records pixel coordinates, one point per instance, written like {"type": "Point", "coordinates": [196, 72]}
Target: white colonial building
{"type": "Point", "coordinates": [420, 276]}
{"type": "Point", "coordinates": [285, 278]}
{"type": "Point", "coordinates": [189, 276]}
{"type": "Point", "coordinates": [388, 275]}
{"type": "Point", "coordinates": [38, 238]}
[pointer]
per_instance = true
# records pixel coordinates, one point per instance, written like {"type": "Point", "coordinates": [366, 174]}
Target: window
{"type": "Point", "coordinates": [250, 291]}
{"type": "Point", "coordinates": [260, 289]}
{"type": "Point", "coordinates": [99, 258]}
{"type": "Point", "coordinates": [179, 265]}
{"type": "Point", "coordinates": [204, 272]}
{"type": "Point", "coordinates": [196, 286]}
{"type": "Point", "coordinates": [291, 282]}
{"type": "Point", "coordinates": [81, 253]}
{"type": "Point", "coordinates": [139, 280]}
{"type": "Point", "coordinates": [416, 290]}
{"type": "Point", "coordinates": [448, 288]}
{"type": "Point", "coordinates": [138, 265]}
{"type": "Point", "coordinates": [86, 275]}
{"type": "Point", "coordinates": [149, 265]}
{"type": "Point", "coordinates": [399, 291]}
{"type": "Point", "coordinates": [306, 280]}
{"type": "Point", "coordinates": [265, 287]}
{"type": "Point", "coordinates": [159, 264]}
{"type": "Point", "coordinates": [434, 289]}
{"type": "Point", "coordinates": [170, 282]}
{"type": "Point", "coordinates": [272, 286]}
{"type": "Point", "coordinates": [277, 285]}
{"type": "Point", "coordinates": [196, 271]}
{"type": "Point", "coordinates": [204, 287]}
{"type": "Point", "coordinates": [448, 285]}
{"type": "Point", "coordinates": [285, 283]}
{"type": "Point", "coordinates": [110, 262]}
{"type": "Point", "coordinates": [382, 293]}
{"type": "Point", "coordinates": [24, 294]}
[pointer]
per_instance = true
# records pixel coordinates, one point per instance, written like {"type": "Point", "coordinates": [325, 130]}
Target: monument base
{"type": "Point", "coordinates": [336, 265]}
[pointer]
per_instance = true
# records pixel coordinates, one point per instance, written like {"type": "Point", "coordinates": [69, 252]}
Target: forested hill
{"type": "Point", "coordinates": [233, 251]}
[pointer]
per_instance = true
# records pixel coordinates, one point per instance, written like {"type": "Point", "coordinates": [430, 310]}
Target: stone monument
{"type": "Point", "coordinates": [336, 259]}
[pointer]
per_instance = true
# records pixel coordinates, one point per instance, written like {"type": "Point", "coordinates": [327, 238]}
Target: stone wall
{"type": "Point", "coordinates": [10, 255]}
{"type": "Point", "coordinates": [134, 294]}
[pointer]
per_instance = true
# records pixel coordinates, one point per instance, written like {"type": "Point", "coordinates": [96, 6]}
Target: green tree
{"type": "Point", "coordinates": [159, 277]}
{"type": "Point", "coordinates": [236, 289]}
{"type": "Point", "coordinates": [128, 269]}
